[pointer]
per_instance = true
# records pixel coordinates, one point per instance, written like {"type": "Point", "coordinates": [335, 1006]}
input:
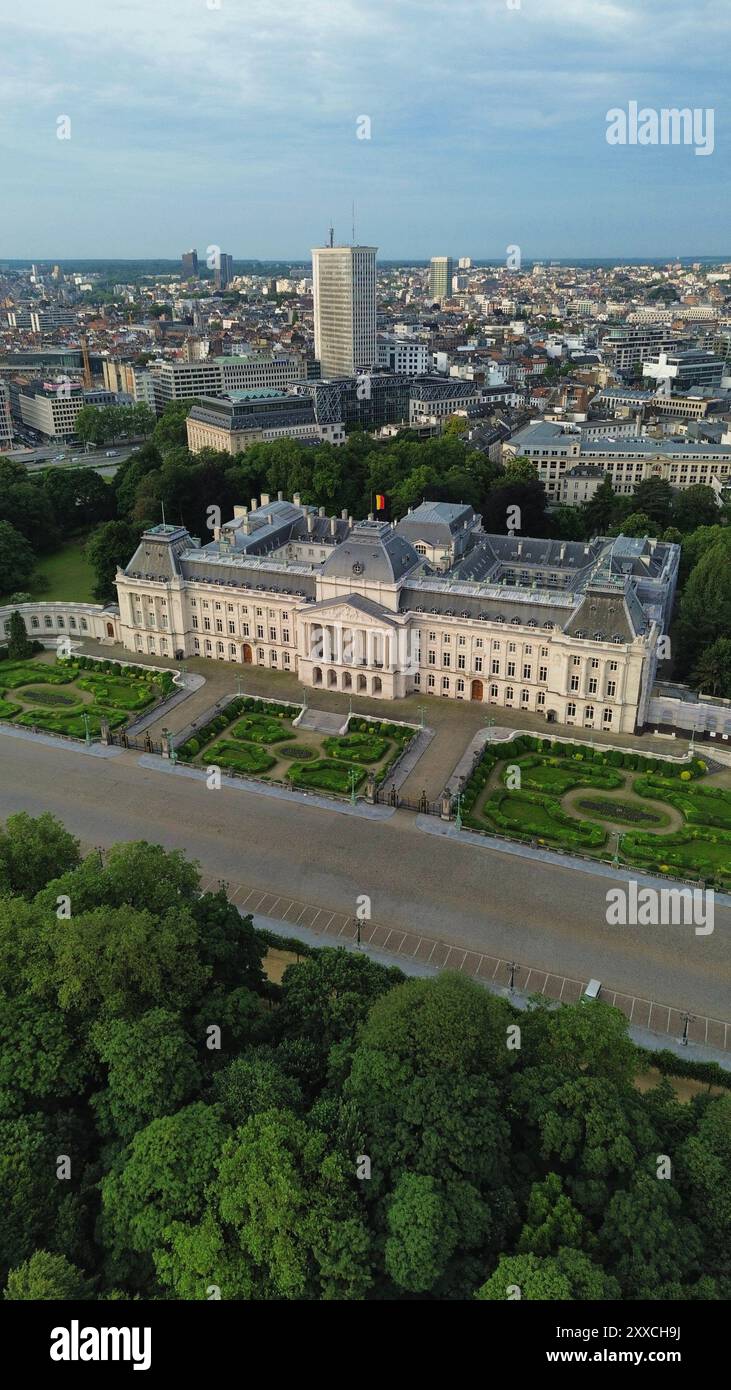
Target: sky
{"type": "Point", "coordinates": [236, 123]}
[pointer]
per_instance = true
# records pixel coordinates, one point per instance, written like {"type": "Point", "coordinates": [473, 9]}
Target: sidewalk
{"type": "Point", "coordinates": [652, 1025]}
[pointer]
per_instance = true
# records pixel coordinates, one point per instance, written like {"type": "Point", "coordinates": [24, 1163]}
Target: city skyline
{"type": "Point", "coordinates": [513, 134]}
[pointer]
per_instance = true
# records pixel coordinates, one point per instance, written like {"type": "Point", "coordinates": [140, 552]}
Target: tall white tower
{"type": "Point", "coordinates": [344, 288]}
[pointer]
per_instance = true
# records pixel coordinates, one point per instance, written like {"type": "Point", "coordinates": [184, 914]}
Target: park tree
{"type": "Point", "coordinates": [254, 1082]}
{"type": "Point", "coordinates": [48, 1277]}
{"type": "Point", "coordinates": [17, 561]}
{"type": "Point", "coordinates": [568, 1276]}
{"type": "Point", "coordinates": [654, 498]}
{"type": "Point", "coordinates": [19, 645]}
{"type": "Point", "coordinates": [712, 673]}
{"type": "Point", "coordinates": [161, 1178]}
{"type": "Point", "coordinates": [693, 507]}
{"type": "Point", "coordinates": [34, 850]}
{"type": "Point", "coordinates": [705, 607]}
{"type": "Point", "coordinates": [108, 548]}
{"type": "Point", "coordinates": [551, 1220]}
{"type": "Point", "coordinates": [290, 1199]}
{"type": "Point", "coordinates": [637, 525]}
{"type": "Point", "coordinates": [600, 510]}
{"type": "Point", "coordinates": [151, 1070]}
{"type": "Point", "coordinates": [649, 1241]}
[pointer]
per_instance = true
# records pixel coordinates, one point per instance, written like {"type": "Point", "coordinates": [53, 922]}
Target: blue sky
{"type": "Point", "coordinates": [233, 122]}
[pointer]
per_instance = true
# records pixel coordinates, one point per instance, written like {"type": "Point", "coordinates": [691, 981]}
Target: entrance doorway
{"type": "Point", "coordinates": [248, 657]}
{"type": "Point", "coordinates": [476, 690]}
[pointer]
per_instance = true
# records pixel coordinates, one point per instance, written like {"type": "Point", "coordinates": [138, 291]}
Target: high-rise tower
{"type": "Point", "coordinates": [344, 288]}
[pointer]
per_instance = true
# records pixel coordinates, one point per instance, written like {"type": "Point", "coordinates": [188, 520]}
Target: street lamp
{"type": "Point", "coordinates": [458, 818]}
{"type": "Point", "coordinates": [687, 1018]}
{"type": "Point", "coordinates": [352, 778]}
{"type": "Point", "coordinates": [512, 968]}
{"type": "Point", "coordinates": [87, 732]}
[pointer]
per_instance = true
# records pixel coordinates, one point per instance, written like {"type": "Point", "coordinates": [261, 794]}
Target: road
{"type": "Point", "coordinates": [546, 915]}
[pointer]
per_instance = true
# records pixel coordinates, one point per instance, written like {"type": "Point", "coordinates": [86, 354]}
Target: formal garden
{"type": "Point", "coordinates": [258, 738]}
{"type": "Point", "coordinates": [616, 805]}
{"type": "Point", "coordinates": [72, 696]}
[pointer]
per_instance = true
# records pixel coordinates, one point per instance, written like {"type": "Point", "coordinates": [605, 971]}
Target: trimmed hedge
{"type": "Point", "coordinates": [670, 1065]}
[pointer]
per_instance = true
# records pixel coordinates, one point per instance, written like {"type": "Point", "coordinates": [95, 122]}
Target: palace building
{"type": "Point", "coordinates": [431, 605]}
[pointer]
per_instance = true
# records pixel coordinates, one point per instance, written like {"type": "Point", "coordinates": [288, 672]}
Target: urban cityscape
{"type": "Point", "coordinates": [365, 697]}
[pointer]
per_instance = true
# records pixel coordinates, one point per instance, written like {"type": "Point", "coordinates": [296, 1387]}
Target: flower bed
{"type": "Point", "coordinates": [623, 811]}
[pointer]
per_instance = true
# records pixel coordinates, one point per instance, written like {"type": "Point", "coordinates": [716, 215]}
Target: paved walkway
{"type": "Point", "coordinates": [430, 952]}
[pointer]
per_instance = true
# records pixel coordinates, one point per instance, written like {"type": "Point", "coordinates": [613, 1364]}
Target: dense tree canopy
{"type": "Point", "coordinates": [171, 1122]}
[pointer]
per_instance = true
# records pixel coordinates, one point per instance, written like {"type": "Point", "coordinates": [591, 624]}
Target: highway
{"type": "Point", "coordinates": [547, 915]}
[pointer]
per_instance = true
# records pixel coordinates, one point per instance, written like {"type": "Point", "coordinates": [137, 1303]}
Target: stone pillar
{"type": "Point", "coordinates": [446, 811]}
{"type": "Point", "coordinates": [104, 732]}
{"type": "Point", "coordinates": [371, 786]}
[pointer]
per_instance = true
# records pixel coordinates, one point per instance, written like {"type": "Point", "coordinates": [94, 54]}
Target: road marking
{"type": "Point", "coordinates": [660, 1016]}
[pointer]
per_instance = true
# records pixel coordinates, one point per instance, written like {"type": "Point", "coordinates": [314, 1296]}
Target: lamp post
{"type": "Point", "coordinates": [352, 778]}
{"type": "Point", "coordinates": [87, 733]}
{"type": "Point", "coordinates": [687, 1018]}
{"type": "Point", "coordinates": [458, 816]}
{"type": "Point", "coordinates": [421, 711]}
{"type": "Point", "coordinates": [512, 968]}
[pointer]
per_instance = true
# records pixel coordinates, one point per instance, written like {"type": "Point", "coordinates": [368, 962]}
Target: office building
{"type": "Point", "coordinates": [224, 272]}
{"type": "Point", "coordinates": [189, 264]}
{"type": "Point", "coordinates": [236, 421]}
{"type": "Point", "coordinates": [6, 424]}
{"type": "Point", "coordinates": [215, 376]}
{"type": "Point", "coordinates": [684, 369]}
{"type": "Point", "coordinates": [441, 270]}
{"type": "Point", "coordinates": [344, 292]}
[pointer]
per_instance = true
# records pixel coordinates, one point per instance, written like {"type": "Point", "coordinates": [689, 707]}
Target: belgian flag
{"type": "Point", "coordinates": [380, 502]}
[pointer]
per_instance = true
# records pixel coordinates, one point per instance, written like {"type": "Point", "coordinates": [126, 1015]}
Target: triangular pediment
{"type": "Point", "coordinates": [353, 609]}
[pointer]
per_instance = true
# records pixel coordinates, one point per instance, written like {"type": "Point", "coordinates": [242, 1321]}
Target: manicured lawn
{"type": "Point", "coordinates": [356, 748]}
{"type": "Point", "coordinates": [261, 728]}
{"type": "Point", "coordinates": [64, 575]}
{"type": "Point", "coordinates": [540, 817]}
{"type": "Point", "coordinates": [696, 852]}
{"type": "Point", "coordinates": [86, 689]}
{"type": "Point", "coordinates": [240, 757]}
{"type": "Point", "coordinates": [559, 775]}
{"type": "Point", "coordinates": [293, 756]}
{"type": "Point", "coordinates": [326, 774]}
{"type": "Point", "coordinates": [701, 850]}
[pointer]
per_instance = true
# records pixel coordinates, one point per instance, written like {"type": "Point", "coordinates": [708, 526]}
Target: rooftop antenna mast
{"type": "Point", "coordinates": [332, 234]}
{"type": "Point", "coordinates": [162, 506]}
{"type": "Point", "coordinates": [353, 224]}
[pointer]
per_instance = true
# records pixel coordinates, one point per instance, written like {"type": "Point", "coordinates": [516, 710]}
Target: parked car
{"type": "Point", "coordinates": [592, 991]}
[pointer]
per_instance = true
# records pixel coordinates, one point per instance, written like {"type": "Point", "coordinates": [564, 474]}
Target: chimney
{"type": "Point", "coordinates": [265, 499]}
{"type": "Point", "coordinates": [321, 511]}
{"type": "Point", "coordinates": [216, 533]}
{"type": "Point", "coordinates": [310, 523]}
{"type": "Point", "coordinates": [253, 504]}
{"type": "Point", "coordinates": [344, 514]}
{"type": "Point", "coordinates": [370, 516]}
{"type": "Point", "coordinates": [240, 511]}
{"type": "Point", "coordinates": [280, 496]}
{"type": "Point", "coordinates": [296, 499]}
{"type": "Point", "coordinates": [333, 526]}
{"type": "Point", "coordinates": [350, 522]}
